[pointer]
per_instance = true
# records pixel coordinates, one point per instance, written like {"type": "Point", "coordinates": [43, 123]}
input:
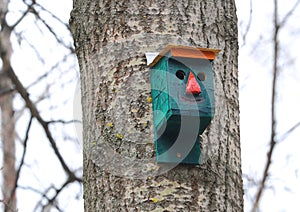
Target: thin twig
{"type": "Point", "coordinates": [54, 67]}
{"type": "Point", "coordinates": [63, 121]}
{"type": "Point", "coordinates": [248, 24]}
{"type": "Point", "coordinates": [6, 91]}
{"type": "Point", "coordinates": [52, 31]}
{"type": "Point", "coordinates": [287, 133]}
{"type": "Point", "coordinates": [23, 157]}
{"type": "Point", "coordinates": [7, 206]}
{"type": "Point", "coordinates": [19, 113]}
{"type": "Point", "coordinates": [20, 19]}
{"type": "Point", "coordinates": [273, 116]}
{"type": "Point", "coordinates": [289, 14]}
{"type": "Point", "coordinates": [53, 16]}
{"type": "Point", "coordinates": [58, 191]}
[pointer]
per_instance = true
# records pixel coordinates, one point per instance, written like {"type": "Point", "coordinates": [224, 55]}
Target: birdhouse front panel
{"type": "Point", "coordinates": [191, 88]}
{"type": "Point", "coordinates": [191, 81]}
{"type": "Point", "coordinates": [183, 102]}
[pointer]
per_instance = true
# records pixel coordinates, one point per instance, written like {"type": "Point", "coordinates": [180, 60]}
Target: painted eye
{"type": "Point", "coordinates": [201, 76]}
{"type": "Point", "coordinates": [180, 74]}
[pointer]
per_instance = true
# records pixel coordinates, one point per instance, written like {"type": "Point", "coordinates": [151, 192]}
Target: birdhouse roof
{"type": "Point", "coordinates": [187, 52]}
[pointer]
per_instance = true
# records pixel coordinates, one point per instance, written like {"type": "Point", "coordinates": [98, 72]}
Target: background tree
{"type": "Point", "coordinates": [111, 38]}
{"type": "Point", "coordinates": [7, 114]}
{"type": "Point", "coordinates": [37, 141]}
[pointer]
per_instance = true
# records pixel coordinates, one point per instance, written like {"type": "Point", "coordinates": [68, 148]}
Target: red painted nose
{"type": "Point", "coordinates": [192, 86]}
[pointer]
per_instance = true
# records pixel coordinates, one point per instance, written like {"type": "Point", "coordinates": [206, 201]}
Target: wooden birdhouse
{"type": "Point", "coordinates": [182, 89]}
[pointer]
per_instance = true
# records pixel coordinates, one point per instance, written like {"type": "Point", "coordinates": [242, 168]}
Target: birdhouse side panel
{"type": "Point", "coordinates": [159, 92]}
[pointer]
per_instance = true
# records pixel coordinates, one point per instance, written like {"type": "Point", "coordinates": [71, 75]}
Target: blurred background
{"type": "Point", "coordinates": [269, 101]}
{"type": "Point", "coordinates": [48, 155]}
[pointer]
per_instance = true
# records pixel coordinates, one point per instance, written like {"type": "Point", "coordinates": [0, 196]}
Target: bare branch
{"type": "Point", "coordinates": [43, 194]}
{"type": "Point", "coordinates": [273, 116]}
{"type": "Point", "coordinates": [48, 72]}
{"type": "Point", "coordinates": [35, 50]}
{"type": "Point", "coordinates": [23, 157]}
{"type": "Point", "coordinates": [21, 18]}
{"type": "Point", "coordinates": [54, 16]}
{"type": "Point", "coordinates": [277, 27]}
{"type": "Point", "coordinates": [57, 192]}
{"type": "Point", "coordinates": [34, 112]}
{"type": "Point", "coordinates": [289, 14]}
{"type": "Point", "coordinates": [63, 121]}
{"type": "Point", "coordinates": [287, 133]}
{"type": "Point", "coordinates": [5, 91]}
{"type": "Point", "coordinates": [51, 201]}
{"type": "Point", "coordinates": [51, 30]}
{"type": "Point", "coordinates": [248, 24]}
{"type": "Point", "coordinates": [8, 207]}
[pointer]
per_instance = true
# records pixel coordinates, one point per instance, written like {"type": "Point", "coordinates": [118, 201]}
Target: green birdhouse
{"type": "Point", "coordinates": [183, 104]}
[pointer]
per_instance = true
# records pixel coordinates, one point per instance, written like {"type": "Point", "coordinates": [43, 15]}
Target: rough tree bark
{"type": "Point", "coordinates": [8, 144]}
{"type": "Point", "coordinates": [111, 38]}
{"type": "Point", "coordinates": [7, 116]}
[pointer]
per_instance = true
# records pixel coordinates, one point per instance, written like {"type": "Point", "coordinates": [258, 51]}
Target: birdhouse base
{"type": "Point", "coordinates": [173, 156]}
{"type": "Point", "coordinates": [174, 145]}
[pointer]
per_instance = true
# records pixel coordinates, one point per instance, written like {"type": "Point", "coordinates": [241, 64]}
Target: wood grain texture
{"type": "Point", "coordinates": [111, 38]}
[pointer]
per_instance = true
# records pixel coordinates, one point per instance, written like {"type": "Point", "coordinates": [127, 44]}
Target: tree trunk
{"type": "Point", "coordinates": [7, 115]}
{"type": "Point", "coordinates": [8, 144]}
{"type": "Point", "coordinates": [120, 173]}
